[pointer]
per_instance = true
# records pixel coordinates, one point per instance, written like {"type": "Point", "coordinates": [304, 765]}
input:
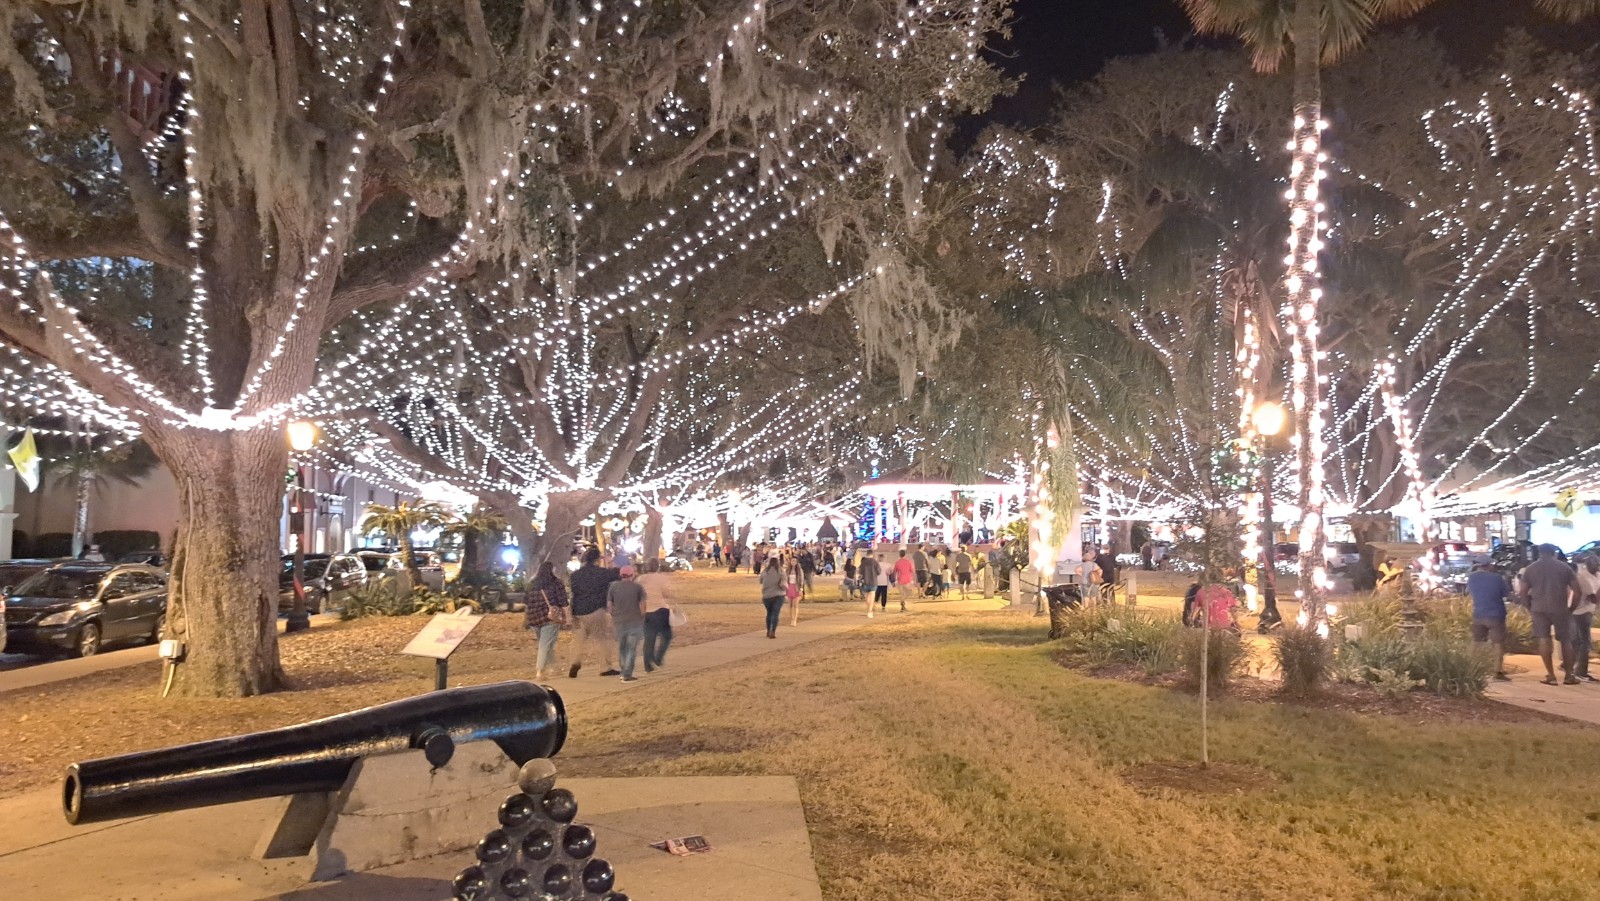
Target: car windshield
{"type": "Point", "coordinates": [59, 585]}
{"type": "Point", "coordinates": [314, 568]}
{"type": "Point", "coordinates": [374, 563]}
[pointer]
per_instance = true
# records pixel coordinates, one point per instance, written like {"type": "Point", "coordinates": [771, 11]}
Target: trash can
{"type": "Point", "coordinates": [1061, 599]}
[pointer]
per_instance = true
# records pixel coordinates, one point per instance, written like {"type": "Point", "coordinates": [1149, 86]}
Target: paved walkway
{"type": "Point", "coordinates": [25, 672]}
{"type": "Point", "coordinates": [204, 854]}
{"type": "Point", "coordinates": [1576, 702]}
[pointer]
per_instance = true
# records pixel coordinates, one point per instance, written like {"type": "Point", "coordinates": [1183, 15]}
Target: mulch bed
{"type": "Point", "coordinates": [1418, 705]}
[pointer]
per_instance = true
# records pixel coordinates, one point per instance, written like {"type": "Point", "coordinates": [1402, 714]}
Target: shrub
{"type": "Point", "coordinates": [116, 542]}
{"type": "Point", "coordinates": [1378, 613]}
{"type": "Point", "coordinates": [1447, 666]}
{"type": "Point", "coordinates": [1357, 661]}
{"type": "Point", "coordinates": [1140, 638]}
{"type": "Point", "coordinates": [1225, 656]}
{"type": "Point", "coordinates": [429, 602]}
{"type": "Point", "coordinates": [1304, 659]}
{"type": "Point", "coordinates": [377, 599]}
{"type": "Point", "coordinates": [1450, 667]}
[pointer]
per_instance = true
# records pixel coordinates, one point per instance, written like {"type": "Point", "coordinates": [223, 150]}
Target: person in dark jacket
{"type": "Point", "coordinates": [589, 586]}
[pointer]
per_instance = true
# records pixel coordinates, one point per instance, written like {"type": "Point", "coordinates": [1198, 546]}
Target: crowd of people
{"type": "Point", "coordinates": [614, 613]}
{"type": "Point", "coordinates": [1561, 602]}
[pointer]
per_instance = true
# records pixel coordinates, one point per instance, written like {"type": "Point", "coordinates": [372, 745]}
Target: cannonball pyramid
{"type": "Point", "coordinates": [538, 853]}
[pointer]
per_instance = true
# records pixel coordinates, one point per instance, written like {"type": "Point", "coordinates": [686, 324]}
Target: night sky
{"type": "Point", "coordinates": [1068, 41]}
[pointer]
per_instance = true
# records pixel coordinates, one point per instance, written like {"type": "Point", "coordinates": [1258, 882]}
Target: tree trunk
{"type": "Point", "coordinates": [1303, 285]}
{"type": "Point", "coordinates": [408, 557]}
{"type": "Point", "coordinates": [223, 601]}
{"type": "Point", "coordinates": [80, 517]}
{"type": "Point", "coordinates": [472, 562]}
{"type": "Point", "coordinates": [564, 515]}
{"type": "Point", "coordinates": [652, 532]}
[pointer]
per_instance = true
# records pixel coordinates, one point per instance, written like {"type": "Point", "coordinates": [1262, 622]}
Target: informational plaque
{"type": "Point", "coordinates": [440, 637]}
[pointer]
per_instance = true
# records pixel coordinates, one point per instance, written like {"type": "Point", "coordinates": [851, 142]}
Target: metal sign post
{"type": "Point", "coordinates": [439, 639]}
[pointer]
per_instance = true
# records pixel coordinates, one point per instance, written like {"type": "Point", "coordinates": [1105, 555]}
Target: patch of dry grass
{"type": "Point", "coordinates": [950, 757]}
{"type": "Point", "coordinates": [333, 668]}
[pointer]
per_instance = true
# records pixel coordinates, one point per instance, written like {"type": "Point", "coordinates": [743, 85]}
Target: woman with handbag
{"type": "Point", "coordinates": [547, 612]}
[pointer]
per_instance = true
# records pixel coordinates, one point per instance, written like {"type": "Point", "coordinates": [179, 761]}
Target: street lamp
{"type": "Point", "coordinates": [1269, 418]}
{"type": "Point", "coordinates": [302, 436]}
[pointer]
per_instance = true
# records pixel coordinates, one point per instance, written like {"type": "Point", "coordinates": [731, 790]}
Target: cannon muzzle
{"type": "Point", "coordinates": [524, 719]}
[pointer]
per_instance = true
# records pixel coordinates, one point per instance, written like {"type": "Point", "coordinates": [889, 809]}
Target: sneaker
{"type": "Point", "coordinates": [611, 672]}
{"type": "Point", "coordinates": [869, 614]}
{"type": "Point", "coordinates": [1501, 677]}
{"type": "Point", "coordinates": [1571, 680]}
{"type": "Point", "coordinates": [1587, 678]}
{"type": "Point", "coordinates": [630, 678]}
{"type": "Point", "coordinates": [573, 673]}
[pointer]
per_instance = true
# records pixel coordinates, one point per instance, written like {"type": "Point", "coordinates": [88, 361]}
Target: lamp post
{"type": "Point", "coordinates": [302, 436]}
{"type": "Point", "coordinates": [1269, 418]}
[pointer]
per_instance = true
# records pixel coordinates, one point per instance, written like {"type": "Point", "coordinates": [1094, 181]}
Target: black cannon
{"type": "Point", "coordinates": [526, 720]}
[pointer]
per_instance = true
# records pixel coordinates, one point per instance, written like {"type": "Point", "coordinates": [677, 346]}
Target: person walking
{"type": "Point", "coordinates": [919, 565]}
{"type": "Point", "coordinates": [964, 572]}
{"type": "Point", "coordinates": [794, 589]}
{"type": "Point", "coordinates": [547, 610]}
{"type": "Point", "coordinates": [590, 584]}
{"type": "Point", "coordinates": [1583, 616]}
{"type": "Point", "coordinates": [868, 579]}
{"type": "Point", "coordinates": [1550, 589]}
{"type": "Point", "coordinates": [808, 570]}
{"type": "Point", "coordinates": [1147, 555]}
{"type": "Point", "coordinates": [657, 614]}
{"type": "Point", "coordinates": [880, 587]}
{"type": "Point", "coordinates": [999, 568]}
{"type": "Point", "coordinates": [772, 594]}
{"type": "Point", "coordinates": [625, 604]}
{"type": "Point", "coordinates": [1489, 593]}
{"type": "Point", "coordinates": [905, 576]}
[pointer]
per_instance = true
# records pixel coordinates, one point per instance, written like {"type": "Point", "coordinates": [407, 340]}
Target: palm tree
{"type": "Point", "coordinates": [1319, 32]}
{"type": "Point", "coordinates": [90, 469]}
{"type": "Point", "coordinates": [481, 523]}
{"type": "Point", "coordinates": [399, 521]}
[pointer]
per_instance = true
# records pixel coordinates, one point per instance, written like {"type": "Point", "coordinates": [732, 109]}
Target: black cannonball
{"type": "Point", "coordinates": [470, 884]}
{"type": "Point", "coordinates": [538, 845]}
{"type": "Point", "coordinates": [559, 805]}
{"type": "Point", "coordinates": [516, 883]}
{"type": "Point", "coordinates": [517, 810]}
{"type": "Point", "coordinates": [598, 876]}
{"type": "Point", "coordinates": [578, 841]}
{"type": "Point", "coordinates": [494, 847]}
{"type": "Point", "coordinates": [558, 880]}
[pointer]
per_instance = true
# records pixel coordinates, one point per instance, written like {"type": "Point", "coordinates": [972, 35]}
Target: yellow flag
{"type": "Point", "coordinates": [1567, 501]}
{"type": "Point", "coordinates": [25, 456]}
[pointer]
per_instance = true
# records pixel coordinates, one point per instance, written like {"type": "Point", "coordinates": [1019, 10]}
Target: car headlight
{"type": "Point", "coordinates": [67, 615]}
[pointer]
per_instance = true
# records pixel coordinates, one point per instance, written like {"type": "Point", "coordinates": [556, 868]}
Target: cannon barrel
{"type": "Point", "coordinates": [524, 719]}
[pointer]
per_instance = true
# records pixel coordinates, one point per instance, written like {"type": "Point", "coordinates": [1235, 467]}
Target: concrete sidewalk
{"type": "Point", "coordinates": [28, 672]}
{"type": "Point", "coordinates": [1575, 702]}
{"type": "Point", "coordinates": [755, 824]}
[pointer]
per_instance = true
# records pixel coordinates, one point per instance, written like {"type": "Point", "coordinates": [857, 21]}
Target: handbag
{"type": "Point", "coordinates": [677, 617]}
{"type": "Point", "coordinates": [557, 615]}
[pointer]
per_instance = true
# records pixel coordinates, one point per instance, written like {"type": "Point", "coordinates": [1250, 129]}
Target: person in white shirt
{"type": "Point", "coordinates": [1583, 616]}
{"type": "Point", "coordinates": [657, 614]}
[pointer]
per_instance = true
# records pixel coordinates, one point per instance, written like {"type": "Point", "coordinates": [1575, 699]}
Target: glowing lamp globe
{"type": "Point", "coordinates": [302, 435]}
{"type": "Point", "coordinates": [1269, 418]}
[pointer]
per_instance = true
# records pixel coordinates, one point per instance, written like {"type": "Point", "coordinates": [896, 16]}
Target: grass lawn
{"type": "Point", "coordinates": [949, 757]}
{"type": "Point", "coordinates": [332, 669]}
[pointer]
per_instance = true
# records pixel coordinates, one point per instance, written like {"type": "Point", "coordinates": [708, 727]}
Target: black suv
{"type": "Point", "coordinates": [325, 576]}
{"type": "Point", "coordinates": [78, 608]}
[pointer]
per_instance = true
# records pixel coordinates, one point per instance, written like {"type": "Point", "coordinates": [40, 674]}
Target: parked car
{"type": "Point", "coordinates": [1342, 555]}
{"type": "Point", "coordinates": [325, 576]}
{"type": "Point", "coordinates": [428, 563]}
{"type": "Point", "coordinates": [78, 608]}
{"type": "Point", "coordinates": [148, 558]}
{"type": "Point", "coordinates": [13, 572]}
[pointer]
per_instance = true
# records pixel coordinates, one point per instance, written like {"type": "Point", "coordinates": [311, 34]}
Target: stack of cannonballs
{"type": "Point", "coordinates": [538, 853]}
